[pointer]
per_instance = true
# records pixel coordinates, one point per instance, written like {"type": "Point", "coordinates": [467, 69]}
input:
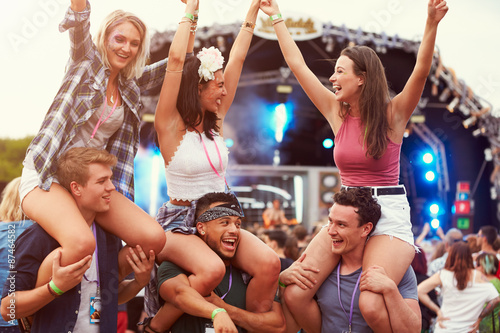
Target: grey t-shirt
{"type": "Point", "coordinates": [333, 317]}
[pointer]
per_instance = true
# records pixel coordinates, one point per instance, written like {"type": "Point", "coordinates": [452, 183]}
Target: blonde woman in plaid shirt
{"type": "Point", "coordinates": [98, 105]}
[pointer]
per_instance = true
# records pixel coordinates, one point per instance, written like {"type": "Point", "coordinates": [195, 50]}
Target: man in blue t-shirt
{"type": "Point", "coordinates": [352, 218]}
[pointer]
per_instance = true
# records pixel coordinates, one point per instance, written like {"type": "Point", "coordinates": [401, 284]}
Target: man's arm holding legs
{"type": "Point", "coordinates": [404, 314]}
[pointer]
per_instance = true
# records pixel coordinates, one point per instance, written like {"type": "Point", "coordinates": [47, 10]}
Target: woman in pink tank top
{"type": "Point", "coordinates": [359, 102]}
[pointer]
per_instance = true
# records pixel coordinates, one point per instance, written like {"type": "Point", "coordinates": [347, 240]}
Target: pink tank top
{"type": "Point", "coordinates": [356, 169]}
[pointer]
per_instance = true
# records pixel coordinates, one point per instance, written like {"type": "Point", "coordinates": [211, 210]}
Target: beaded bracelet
{"type": "Point", "coordinates": [248, 24]}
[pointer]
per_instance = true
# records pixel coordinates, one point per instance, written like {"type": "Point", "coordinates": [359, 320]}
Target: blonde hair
{"type": "Point", "coordinates": [10, 207]}
{"type": "Point", "coordinates": [136, 66]}
{"type": "Point", "coordinates": [74, 164]}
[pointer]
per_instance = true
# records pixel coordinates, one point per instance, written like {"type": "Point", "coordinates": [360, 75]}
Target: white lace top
{"type": "Point", "coordinates": [189, 174]}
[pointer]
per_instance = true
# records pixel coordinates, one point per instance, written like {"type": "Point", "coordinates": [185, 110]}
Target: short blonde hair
{"type": "Point", "coordinates": [10, 207]}
{"type": "Point", "coordinates": [74, 164]}
{"type": "Point", "coordinates": [136, 66]}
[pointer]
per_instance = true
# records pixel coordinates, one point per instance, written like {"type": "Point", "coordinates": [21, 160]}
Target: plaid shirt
{"type": "Point", "coordinates": [82, 93]}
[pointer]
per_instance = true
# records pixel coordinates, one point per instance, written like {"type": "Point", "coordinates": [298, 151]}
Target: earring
{"type": "Point", "coordinates": [203, 232]}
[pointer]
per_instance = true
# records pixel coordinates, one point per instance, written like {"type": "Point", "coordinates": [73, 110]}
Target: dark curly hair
{"type": "Point", "coordinates": [203, 203]}
{"type": "Point", "coordinates": [361, 198]}
{"type": "Point", "coordinates": [188, 100]}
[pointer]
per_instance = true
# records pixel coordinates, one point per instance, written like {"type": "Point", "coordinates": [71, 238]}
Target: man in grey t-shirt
{"type": "Point", "coordinates": [352, 218]}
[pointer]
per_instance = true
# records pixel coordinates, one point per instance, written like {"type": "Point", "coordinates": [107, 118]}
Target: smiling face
{"type": "Point", "coordinates": [222, 235]}
{"type": "Point", "coordinates": [211, 94]}
{"type": "Point", "coordinates": [344, 230]}
{"type": "Point", "coordinates": [123, 43]}
{"type": "Point", "coordinates": [346, 84]}
{"type": "Point", "coordinates": [95, 195]}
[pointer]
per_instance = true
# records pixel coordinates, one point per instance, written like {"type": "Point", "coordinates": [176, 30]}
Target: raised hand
{"type": "Point", "coordinates": [269, 7]}
{"type": "Point", "coordinates": [436, 10]}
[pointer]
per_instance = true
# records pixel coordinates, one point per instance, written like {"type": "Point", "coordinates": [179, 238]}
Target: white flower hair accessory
{"type": "Point", "coordinates": [211, 61]}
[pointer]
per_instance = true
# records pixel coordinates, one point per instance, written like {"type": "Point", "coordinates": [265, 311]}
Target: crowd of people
{"type": "Point", "coordinates": [91, 248]}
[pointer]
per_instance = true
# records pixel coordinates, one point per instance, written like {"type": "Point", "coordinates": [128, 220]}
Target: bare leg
{"type": "Point", "coordinates": [58, 215]}
{"type": "Point", "coordinates": [192, 254]}
{"type": "Point", "coordinates": [301, 303]}
{"type": "Point", "coordinates": [395, 256]}
{"type": "Point", "coordinates": [129, 222]}
{"type": "Point", "coordinates": [263, 264]}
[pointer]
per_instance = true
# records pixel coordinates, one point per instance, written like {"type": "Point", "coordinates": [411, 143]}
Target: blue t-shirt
{"type": "Point", "coordinates": [333, 318]}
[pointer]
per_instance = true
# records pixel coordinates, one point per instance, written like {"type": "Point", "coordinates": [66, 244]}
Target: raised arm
{"type": "Point", "coordinates": [322, 98]}
{"type": "Point", "coordinates": [78, 5]}
{"type": "Point", "coordinates": [406, 101]}
{"type": "Point", "coordinates": [272, 321]}
{"type": "Point", "coordinates": [237, 57]}
{"type": "Point", "coordinates": [168, 122]}
{"type": "Point", "coordinates": [28, 302]}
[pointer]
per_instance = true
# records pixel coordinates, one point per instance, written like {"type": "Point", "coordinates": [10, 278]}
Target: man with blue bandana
{"type": "Point", "coordinates": [218, 223]}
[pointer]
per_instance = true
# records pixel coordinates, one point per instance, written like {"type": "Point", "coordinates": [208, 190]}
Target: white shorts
{"type": "Point", "coordinates": [395, 219]}
{"type": "Point", "coordinates": [29, 177]}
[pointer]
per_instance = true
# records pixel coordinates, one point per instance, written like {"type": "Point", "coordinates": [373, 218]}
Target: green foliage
{"type": "Point", "coordinates": [12, 153]}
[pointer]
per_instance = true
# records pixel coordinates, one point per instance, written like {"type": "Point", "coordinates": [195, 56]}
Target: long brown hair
{"type": "Point", "coordinates": [374, 98]}
{"type": "Point", "coordinates": [460, 263]}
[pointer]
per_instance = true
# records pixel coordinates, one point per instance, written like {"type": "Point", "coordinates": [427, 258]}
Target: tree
{"type": "Point", "coordinates": [12, 152]}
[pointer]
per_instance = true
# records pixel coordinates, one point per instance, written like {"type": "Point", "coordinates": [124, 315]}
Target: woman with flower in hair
{"type": "Point", "coordinates": [195, 98]}
{"type": "Point", "coordinates": [99, 106]}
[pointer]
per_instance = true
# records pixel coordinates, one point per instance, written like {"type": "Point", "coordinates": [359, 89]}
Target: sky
{"type": "Point", "coordinates": [34, 52]}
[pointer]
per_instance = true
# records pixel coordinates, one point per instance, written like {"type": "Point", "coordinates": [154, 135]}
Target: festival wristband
{"type": "Point", "coordinates": [189, 16]}
{"type": "Point", "coordinates": [53, 286]}
{"type": "Point", "coordinates": [275, 17]}
{"type": "Point", "coordinates": [52, 292]}
{"type": "Point", "coordinates": [281, 284]}
{"type": "Point", "coordinates": [216, 311]}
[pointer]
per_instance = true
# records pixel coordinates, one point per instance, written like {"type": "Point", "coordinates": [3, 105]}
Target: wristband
{"type": "Point", "coordinates": [189, 16]}
{"type": "Point", "coordinates": [216, 311]}
{"type": "Point", "coordinates": [53, 286]}
{"type": "Point", "coordinates": [275, 17]}
{"type": "Point", "coordinates": [52, 292]}
{"type": "Point", "coordinates": [281, 284]}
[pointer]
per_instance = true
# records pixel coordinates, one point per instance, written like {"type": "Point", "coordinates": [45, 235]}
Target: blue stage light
{"type": "Point", "coordinates": [435, 223]}
{"type": "Point", "coordinates": [428, 158]}
{"type": "Point", "coordinates": [229, 143]}
{"type": "Point", "coordinates": [434, 208]}
{"type": "Point", "coordinates": [430, 176]}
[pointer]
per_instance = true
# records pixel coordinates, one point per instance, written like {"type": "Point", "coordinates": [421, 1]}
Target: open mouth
{"type": "Point", "coordinates": [229, 243]}
{"type": "Point", "coordinates": [337, 242]}
{"type": "Point", "coordinates": [336, 89]}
